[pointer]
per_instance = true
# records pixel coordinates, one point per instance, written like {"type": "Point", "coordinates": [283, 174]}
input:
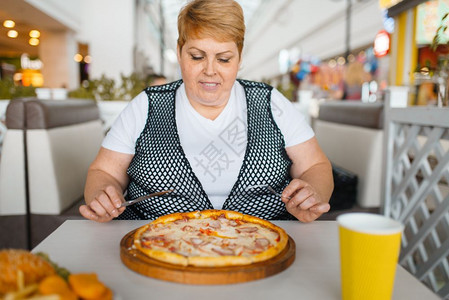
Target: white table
{"type": "Point", "coordinates": [86, 246]}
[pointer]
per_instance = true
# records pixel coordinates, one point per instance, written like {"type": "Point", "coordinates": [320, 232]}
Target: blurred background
{"type": "Point", "coordinates": [111, 49]}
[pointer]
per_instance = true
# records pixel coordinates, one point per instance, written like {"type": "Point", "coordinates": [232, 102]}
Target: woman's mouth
{"type": "Point", "coordinates": [210, 86]}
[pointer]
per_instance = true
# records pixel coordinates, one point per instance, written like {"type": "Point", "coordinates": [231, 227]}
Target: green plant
{"type": "Point", "coordinates": [440, 35]}
{"type": "Point", "coordinates": [288, 91]}
{"type": "Point", "coordinates": [441, 38]}
{"type": "Point", "coordinates": [131, 86]}
{"type": "Point", "coordinates": [105, 88]}
{"type": "Point", "coordinates": [10, 90]}
{"type": "Point", "coordinates": [81, 93]}
{"type": "Point", "coordinates": [6, 88]}
{"type": "Point", "coordinates": [442, 69]}
{"type": "Point", "coordinates": [21, 91]}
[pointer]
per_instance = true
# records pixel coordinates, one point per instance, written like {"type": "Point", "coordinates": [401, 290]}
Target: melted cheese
{"type": "Point", "coordinates": [209, 237]}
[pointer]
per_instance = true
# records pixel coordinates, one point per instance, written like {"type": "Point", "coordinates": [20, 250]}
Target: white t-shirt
{"type": "Point", "coordinates": [214, 148]}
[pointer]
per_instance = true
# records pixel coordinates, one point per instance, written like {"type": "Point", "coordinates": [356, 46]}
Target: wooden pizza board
{"type": "Point", "coordinates": [142, 264]}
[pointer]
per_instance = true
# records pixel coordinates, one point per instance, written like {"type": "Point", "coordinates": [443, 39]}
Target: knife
{"type": "Point", "coordinates": [131, 202]}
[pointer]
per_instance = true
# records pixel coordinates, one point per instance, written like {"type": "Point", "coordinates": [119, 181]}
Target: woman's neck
{"type": "Point", "coordinates": [208, 112]}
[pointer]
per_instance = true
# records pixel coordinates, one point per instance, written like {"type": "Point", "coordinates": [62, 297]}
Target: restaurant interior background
{"type": "Point", "coordinates": [109, 50]}
{"type": "Point", "coordinates": [73, 44]}
{"type": "Point", "coordinates": [63, 48]}
{"type": "Point", "coordinates": [56, 49]}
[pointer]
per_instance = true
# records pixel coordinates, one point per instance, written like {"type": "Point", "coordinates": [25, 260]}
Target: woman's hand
{"type": "Point", "coordinates": [104, 206]}
{"type": "Point", "coordinates": [105, 183]}
{"type": "Point", "coordinates": [312, 186]}
{"type": "Point", "coordinates": [302, 201]}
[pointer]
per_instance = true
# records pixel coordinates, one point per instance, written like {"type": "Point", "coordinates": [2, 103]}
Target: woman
{"type": "Point", "coordinates": [209, 137]}
{"type": "Point", "coordinates": [353, 78]}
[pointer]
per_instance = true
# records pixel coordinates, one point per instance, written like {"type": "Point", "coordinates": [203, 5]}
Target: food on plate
{"type": "Point", "coordinates": [61, 271]}
{"type": "Point", "coordinates": [32, 267]}
{"type": "Point", "coordinates": [210, 238]}
{"type": "Point", "coordinates": [87, 286]}
{"type": "Point", "coordinates": [24, 275]}
{"type": "Point", "coordinates": [55, 284]}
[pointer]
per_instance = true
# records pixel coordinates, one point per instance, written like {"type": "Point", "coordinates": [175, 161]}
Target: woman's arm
{"type": "Point", "coordinates": [106, 181]}
{"type": "Point", "coordinates": [312, 183]}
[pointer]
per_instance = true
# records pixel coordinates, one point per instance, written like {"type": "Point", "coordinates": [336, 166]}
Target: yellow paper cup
{"type": "Point", "coordinates": [369, 251]}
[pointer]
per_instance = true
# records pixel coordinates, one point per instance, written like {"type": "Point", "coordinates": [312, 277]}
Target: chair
{"type": "Point", "coordinates": [47, 149]}
{"type": "Point", "coordinates": [351, 135]}
{"type": "Point", "coordinates": [416, 192]}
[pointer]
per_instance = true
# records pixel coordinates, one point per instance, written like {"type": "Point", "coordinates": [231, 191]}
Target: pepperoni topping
{"type": "Point", "coordinates": [262, 242]}
{"type": "Point", "coordinates": [251, 250]}
{"type": "Point", "coordinates": [196, 241]}
{"type": "Point", "coordinates": [183, 220]}
{"type": "Point", "coordinates": [233, 223]}
{"type": "Point", "coordinates": [187, 228]}
{"type": "Point", "coordinates": [207, 231]}
{"type": "Point", "coordinates": [231, 246]}
{"type": "Point", "coordinates": [223, 251]}
{"type": "Point", "coordinates": [215, 224]}
{"type": "Point", "coordinates": [246, 229]}
{"type": "Point", "coordinates": [158, 241]}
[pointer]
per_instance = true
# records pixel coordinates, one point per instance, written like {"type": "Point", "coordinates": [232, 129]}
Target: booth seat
{"type": "Point", "coordinates": [59, 139]}
{"type": "Point", "coordinates": [351, 135]}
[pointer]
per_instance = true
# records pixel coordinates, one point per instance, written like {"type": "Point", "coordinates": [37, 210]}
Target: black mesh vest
{"type": "Point", "coordinates": [159, 162]}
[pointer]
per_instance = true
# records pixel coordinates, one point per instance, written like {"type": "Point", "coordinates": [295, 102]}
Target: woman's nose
{"type": "Point", "coordinates": [209, 68]}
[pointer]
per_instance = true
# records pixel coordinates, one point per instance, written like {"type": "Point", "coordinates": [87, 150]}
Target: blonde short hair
{"type": "Point", "coordinates": [221, 20]}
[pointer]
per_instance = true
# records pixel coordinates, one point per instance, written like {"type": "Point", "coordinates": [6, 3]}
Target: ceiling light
{"type": "Point", "coordinates": [13, 34]}
{"type": "Point", "coordinates": [17, 76]}
{"type": "Point", "coordinates": [9, 24]}
{"type": "Point", "coordinates": [78, 57]}
{"type": "Point", "coordinates": [33, 41]}
{"type": "Point", "coordinates": [35, 33]}
{"type": "Point", "coordinates": [341, 60]}
{"type": "Point", "coordinates": [351, 58]}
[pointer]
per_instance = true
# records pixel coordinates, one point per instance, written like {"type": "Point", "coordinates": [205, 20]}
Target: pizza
{"type": "Point", "coordinates": [210, 238]}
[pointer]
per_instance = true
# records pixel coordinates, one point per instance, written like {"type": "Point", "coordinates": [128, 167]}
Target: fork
{"type": "Point", "coordinates": [131, 202]}
{"type": "Point", "coordinates": [267, 187]}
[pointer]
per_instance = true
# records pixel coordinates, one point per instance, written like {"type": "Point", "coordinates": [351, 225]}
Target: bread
{"type": "Point", "coordinates": [34, 268]}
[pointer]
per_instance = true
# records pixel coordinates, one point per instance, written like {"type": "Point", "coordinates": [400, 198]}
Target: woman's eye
{"type": "Point", "coordinates": [197, 57]}
{"type": "Point", "coordinates": [224, 60]}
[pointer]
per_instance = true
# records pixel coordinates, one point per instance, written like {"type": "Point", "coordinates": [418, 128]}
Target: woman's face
{"type": "Point", "coordinates": [209, 69]}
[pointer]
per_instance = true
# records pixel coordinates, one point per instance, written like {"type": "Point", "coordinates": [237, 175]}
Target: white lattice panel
{"type": "Point", "coordinates": [416, 189]}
